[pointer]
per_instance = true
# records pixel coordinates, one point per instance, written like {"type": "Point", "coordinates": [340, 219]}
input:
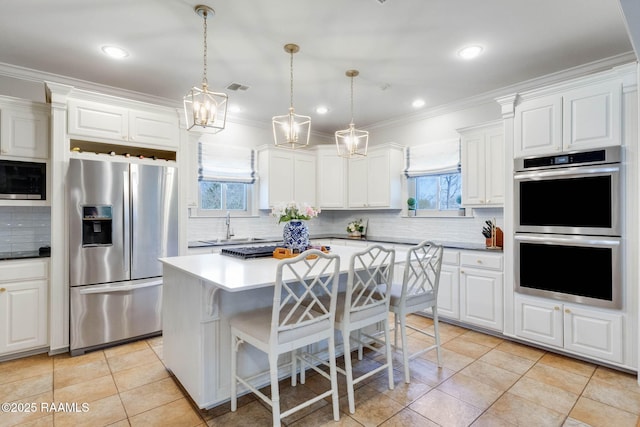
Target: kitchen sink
{"type": "Point", "coordinates": [233, 240]}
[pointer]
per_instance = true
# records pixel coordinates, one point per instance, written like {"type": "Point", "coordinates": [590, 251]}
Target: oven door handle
{"type": "Point", "coordinates": [107, 289]}
{"type": "Point", "coordinates": [568, 240]}
{"type": "Point", "coordinates": [566, 172]}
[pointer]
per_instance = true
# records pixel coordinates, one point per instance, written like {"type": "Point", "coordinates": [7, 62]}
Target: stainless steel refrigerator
{"type": "Point", "coordinates": [122, 218]}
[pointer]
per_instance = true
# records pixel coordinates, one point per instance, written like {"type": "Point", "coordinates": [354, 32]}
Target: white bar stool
{"type": "Point", "coordinates": [303, 313]}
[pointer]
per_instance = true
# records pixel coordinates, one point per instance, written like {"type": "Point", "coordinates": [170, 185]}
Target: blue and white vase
{"type": "Point", "coordinates": [296, 236]}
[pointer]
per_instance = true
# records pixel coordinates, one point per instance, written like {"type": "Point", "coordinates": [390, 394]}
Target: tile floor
{"type": "Point", "coordinates": [485, 381]}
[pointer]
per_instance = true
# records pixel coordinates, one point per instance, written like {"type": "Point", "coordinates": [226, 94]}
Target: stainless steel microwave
{"type": "Point", "coordinates": [23, 180]}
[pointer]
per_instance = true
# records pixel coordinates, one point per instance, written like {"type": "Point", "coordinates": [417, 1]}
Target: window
{"type": "Point", "coordinates": [436, 192]}
{"type": "Point", "coordinates": [433, 178]}
{"type": "Point", "coordinates": [225, 179]}
{"type": "Point", "coordinates": [224, 196]}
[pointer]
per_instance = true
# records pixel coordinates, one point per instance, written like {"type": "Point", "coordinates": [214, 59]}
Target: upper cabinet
{"type": "Point", "coordinates": [582, 114]}
{"type": "Point", "coordinates": [483, 165]}
{"type": "Point", "coordinates": [286, 176]}
{"type": "Point", "coordinates": [332, 178]}
{"type": "Point", "coordinates": [375, 181]}
{"type": "Point", "coordinates": [24, 129]}
{"type": "Point", "coordinates": [117, 123]}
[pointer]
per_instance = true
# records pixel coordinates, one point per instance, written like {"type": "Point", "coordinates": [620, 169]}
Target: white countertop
{"type": "Point", "coordinates": [235, 274]}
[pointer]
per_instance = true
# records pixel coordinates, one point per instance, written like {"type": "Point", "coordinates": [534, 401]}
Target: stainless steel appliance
{"type": "Point", "coordinates": [572, 193]}
{"type": "Point", "coordinates": [122, 218]}
{"type": "Point", "coordinates": [23, 180]}
{"type": "Point", "coordinates": [568, 219]}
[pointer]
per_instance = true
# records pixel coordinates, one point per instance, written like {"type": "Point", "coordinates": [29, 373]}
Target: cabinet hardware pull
{"type": "Point", "coordinates": [479, 261]}
{"type": "Point", "coordinates": [3, 289]}
{"type": "Point", "coordinates": [556, 308]}
{"type": "Point", "coordinates": [566, 310]}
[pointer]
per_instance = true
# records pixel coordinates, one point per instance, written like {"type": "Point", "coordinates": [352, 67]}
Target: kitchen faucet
{"type": "Point", "coordinates": [228, 223]}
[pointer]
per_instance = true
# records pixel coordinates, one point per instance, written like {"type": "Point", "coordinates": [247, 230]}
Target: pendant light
{"type": "Point", "coordinates": [203, 109]}
{"type": "Point", "coordinates": [352, 142]}
{"type": "Point", "coordinates": [291, 130]}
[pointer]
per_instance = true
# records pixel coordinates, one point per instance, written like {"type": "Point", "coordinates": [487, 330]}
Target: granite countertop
{"type": "Point", "coordinates": [372, 239]}
{"type": "Point", "coordinates": [4, 256]}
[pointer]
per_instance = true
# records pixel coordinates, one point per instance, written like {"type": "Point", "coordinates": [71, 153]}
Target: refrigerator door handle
{"type": "Point", "coordinates": [126, 229]}
{"type": "Point", "coordinates": [122, 288]}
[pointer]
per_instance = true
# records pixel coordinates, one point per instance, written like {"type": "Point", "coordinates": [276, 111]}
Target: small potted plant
{"type": "Point", "coordinates": [355, 228]}
{"type": "Point", "coordinates": [411, 206]}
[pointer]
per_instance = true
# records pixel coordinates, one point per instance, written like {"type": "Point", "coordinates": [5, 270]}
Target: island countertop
{"type": "Point", "coordinates": [235, 274]}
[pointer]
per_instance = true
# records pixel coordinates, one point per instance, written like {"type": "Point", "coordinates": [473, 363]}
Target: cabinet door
{"type": "Point", "coordinates": [592, 116]}
{"type": "Point", "coordinates": [358, 186]}
{"type": "Point", "coordinates": [150, 128]}
{"type": "Point", "coordinates": [473, 169]}
{"type": "Point", "coordinates": [304, 171]}
{"type": "Point", "coordinates": [539, 321]}
{"type": "Point", "coordinates": [23, 308]}
{"type": "Point", "coordinates": [24, 133]}
{"type": "Point", "coordinates": [98, 120]}
{"type": "Point", "coordinates": [593, 333]}
{"type": "Point", "coordinates": [538, 126]}
{"type": "Point", "coordinates": [378, 179]}
{"type": "Point", "coordinates": [481, 298]}
{"type": "Point", "coordinates": [280, 177]}
{"type": "Point", "coordinates": [449, 292]}
{"type": "Point", "coordinates": [494, 170]}
{"type": "Point", "coordinates": [332, 184]}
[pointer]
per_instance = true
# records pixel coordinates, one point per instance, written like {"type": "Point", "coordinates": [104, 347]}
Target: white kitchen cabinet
{"type": "Point", "coordinates": [114, 122]}
{"type": "Point", "coordinates": [481, 289]}
{"type": "Point", "coordinates": [286, 176]}
{"type": "Point", "coordinates": [23, 305]}
{"type": "Point", "coordinates": [24, 129]}
{"type": "Point", "coordinates": [449, 286]}
{"type": "Point", "coordinates": [332, 178]}
{"type": "Point", "coordinates": [587, 116]}
{"type": "Point", "coordinates": [581, 330]}
{"type": "Point", "coordinates": [483, 173]}
{"type": "Point", "coordinates": [375, 180]}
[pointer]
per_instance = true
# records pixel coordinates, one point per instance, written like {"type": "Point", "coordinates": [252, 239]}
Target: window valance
{"type": "Point", "coordinates": [226, 163]}
{"type": "Point", "coordinates": [434, 158]}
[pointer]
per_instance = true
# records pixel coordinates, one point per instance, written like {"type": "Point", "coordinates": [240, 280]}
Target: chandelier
{"type": "Point", "coordinates": [203, 108]}
{"type": "Point", "coordinates": [352, 142]}
{"type": "Point", "coordinates": [291, 130]}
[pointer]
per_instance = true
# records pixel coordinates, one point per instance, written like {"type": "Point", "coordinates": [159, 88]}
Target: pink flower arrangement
{"type": "Point", "coordinates": [294, 211]}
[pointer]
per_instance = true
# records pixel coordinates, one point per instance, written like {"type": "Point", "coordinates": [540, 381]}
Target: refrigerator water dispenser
{"type": "Point", "coordinates": [97, 227]}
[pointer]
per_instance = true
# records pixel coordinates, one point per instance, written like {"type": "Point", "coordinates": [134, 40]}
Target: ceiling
{"type": "Point", "coordinates": [404, 49]}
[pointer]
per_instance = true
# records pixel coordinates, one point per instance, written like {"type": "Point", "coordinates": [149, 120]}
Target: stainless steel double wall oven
{"type": "Point", "coordinates": [568, 224]}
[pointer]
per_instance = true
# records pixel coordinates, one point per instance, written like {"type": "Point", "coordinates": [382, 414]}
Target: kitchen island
{"type": "Point", "coordinates": [201, 293]}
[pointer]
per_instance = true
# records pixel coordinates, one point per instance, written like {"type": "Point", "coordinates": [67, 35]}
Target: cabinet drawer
{"type": "Point", "coordinates": [451, 257]}
{"type": "Point", "coordinates": [13, 271]}
{"type": "Point", "coordinates": [481, 260]}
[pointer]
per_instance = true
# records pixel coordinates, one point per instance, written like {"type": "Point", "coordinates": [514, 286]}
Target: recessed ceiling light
{"type": "Point", "coordinates": [470, 52]}
{"type": "Point", "coordinates": [322, 110]}
{"type": "Point", "coordinates": [115, 51]}
{"type": "Point", "coordinates": [234, 108]}
{"type": "Point", "coordinates": [418, 103]}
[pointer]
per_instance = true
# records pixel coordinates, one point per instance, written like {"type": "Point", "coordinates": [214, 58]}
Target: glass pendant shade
{"type": "Point", "coordinates": [203, 109]}
{"type": "Point", "coordinates": [352, 142]}
{"type": "Point", "coordinates": [291, 130]}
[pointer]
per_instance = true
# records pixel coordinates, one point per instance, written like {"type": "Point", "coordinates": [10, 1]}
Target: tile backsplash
{"type": "Point", "coordinates": [24, 228]}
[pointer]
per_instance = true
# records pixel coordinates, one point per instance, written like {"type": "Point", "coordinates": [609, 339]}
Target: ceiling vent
{"type": "Point", "coordinates": [237, 87]}
{"type": "Point", "coordinates": [381, 1]}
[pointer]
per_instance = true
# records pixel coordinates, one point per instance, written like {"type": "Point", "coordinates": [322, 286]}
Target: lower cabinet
{"type": "Point", "coordinates": [23, 305]}
{"type": "Point", "coordinates": [481, 290]}
{"type": "Point", "coordinates": [590, 332]}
